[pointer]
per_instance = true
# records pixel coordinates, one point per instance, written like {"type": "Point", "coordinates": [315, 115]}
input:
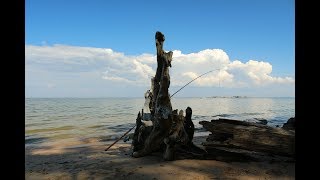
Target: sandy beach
{"type": "Point", "coordinates": [87, 159]}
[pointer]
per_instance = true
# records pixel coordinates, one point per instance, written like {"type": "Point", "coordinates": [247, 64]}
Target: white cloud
{"type": "Point", "coordinates": [186, 67]}
{"type": "Point", "coordinates": [51, 85]}
{"type": "Point", "coordinates": [256, 73]}
{"type": "Point", "coordinates": [113, 66]}
{"type": "Point", "coordinates": [85, 65]}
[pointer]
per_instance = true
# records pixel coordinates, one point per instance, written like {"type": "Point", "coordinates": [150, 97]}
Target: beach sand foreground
{"type": "Point", "coordinates": [89, 161]}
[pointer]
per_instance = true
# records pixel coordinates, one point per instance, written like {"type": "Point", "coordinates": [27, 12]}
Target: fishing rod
{"type": "Point", "coordinates": [170, 97]}
{"type": "Point", "coordinates": [119, 138]}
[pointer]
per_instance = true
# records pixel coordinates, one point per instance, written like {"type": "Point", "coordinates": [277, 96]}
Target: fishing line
{"type": "Point", "coordinates": [194, 80]}
{"type": "Point", "coordinates": [170, 97]}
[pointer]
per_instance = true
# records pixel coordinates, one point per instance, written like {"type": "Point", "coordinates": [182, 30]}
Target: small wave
{"type": "Point", "coordinates": [36, 124]}
{"type": "Point", "coordinates": [121, 126]}
{"type": "Point", "coordinates": [49, 129]}
{"type": "Point", "coordinates": [61, 136]}
{"type": "Point", "coordinates": [223, 115]}
{"type": "Point", "coordinates": [32, 116]}
{"type": "Point", "coordinates": [199, 129]}
{"type": "Point", "coordinates": [199, 116]}
{"type": "Point", "coordinates": [97, 126]}
{"type": "Point", "coordinates": [251, 114]}
{"type": "Point", "coordinates": [35, 140]}
{"type": "Point", "coordinates": [109, 138]}
{"type": "Point", "coordinates": [277, 121]}
{"type": "Point", "coordinates": [85, 107]}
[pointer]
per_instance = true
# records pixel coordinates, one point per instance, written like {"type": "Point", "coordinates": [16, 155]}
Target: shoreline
{"type": "Point", "coordinates": [88, 160]}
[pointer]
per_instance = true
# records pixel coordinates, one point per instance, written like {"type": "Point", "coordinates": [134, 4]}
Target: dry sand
{"type": "Point", "coordinates": [88, 160]}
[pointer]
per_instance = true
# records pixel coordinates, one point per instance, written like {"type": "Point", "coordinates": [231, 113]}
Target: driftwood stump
{"type": "Point", "coordinates": [168, 130]}
{"type": "Point", "coordinates": [160, 128]}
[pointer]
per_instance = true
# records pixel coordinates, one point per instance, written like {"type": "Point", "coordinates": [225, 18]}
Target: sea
{"type": "Point", "coordinates": [106, 119]}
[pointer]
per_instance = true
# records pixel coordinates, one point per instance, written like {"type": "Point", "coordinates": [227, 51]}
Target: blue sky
{"type": "Point", "coordinates": [103, 45]}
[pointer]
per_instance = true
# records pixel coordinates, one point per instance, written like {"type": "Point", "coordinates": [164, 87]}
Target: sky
{"type": "Point", "coordinates": [107, 48]}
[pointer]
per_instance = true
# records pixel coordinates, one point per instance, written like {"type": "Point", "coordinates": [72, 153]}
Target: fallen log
{"type": "Point", "coordinates": [235, 134]}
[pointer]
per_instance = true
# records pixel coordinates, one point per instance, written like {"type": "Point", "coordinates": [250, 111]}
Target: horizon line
{"type": "Point", "coordinates": [236, 96]}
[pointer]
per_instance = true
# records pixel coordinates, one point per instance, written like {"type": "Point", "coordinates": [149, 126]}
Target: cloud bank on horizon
{"type": "Point", "coordinates": [64, 68]}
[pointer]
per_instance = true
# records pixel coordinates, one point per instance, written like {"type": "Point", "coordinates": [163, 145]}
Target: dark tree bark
{"type": "Point", "coordinates": [167, 132]}
{"type": "Point", "coordinates": [249, 136]}
{"type": "Point", "coordinates": [188, 124]}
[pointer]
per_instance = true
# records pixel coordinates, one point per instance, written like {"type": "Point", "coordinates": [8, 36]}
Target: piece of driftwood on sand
{"type": "Point", "coordinates": [235, 134]}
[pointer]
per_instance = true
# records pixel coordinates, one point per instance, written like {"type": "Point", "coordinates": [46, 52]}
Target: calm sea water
{"type": "Point", "coordinates": [105, 119]}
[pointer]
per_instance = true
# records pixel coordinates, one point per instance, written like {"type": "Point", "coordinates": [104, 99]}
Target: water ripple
{"type": "Point", "coordinates": [108, 118]}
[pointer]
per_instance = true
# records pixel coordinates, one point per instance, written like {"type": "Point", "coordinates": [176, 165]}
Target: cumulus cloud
{"type": "Point", "coordinates": [256, 73]}
{"type": "Point", "coordinates": [112, 66]}
{"type": "Point", "coordinates": [63, 62]}
{"type": "Point", "coordinates": [225, 72]}
{"type": "Point", "coordinates": [51, 85]}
